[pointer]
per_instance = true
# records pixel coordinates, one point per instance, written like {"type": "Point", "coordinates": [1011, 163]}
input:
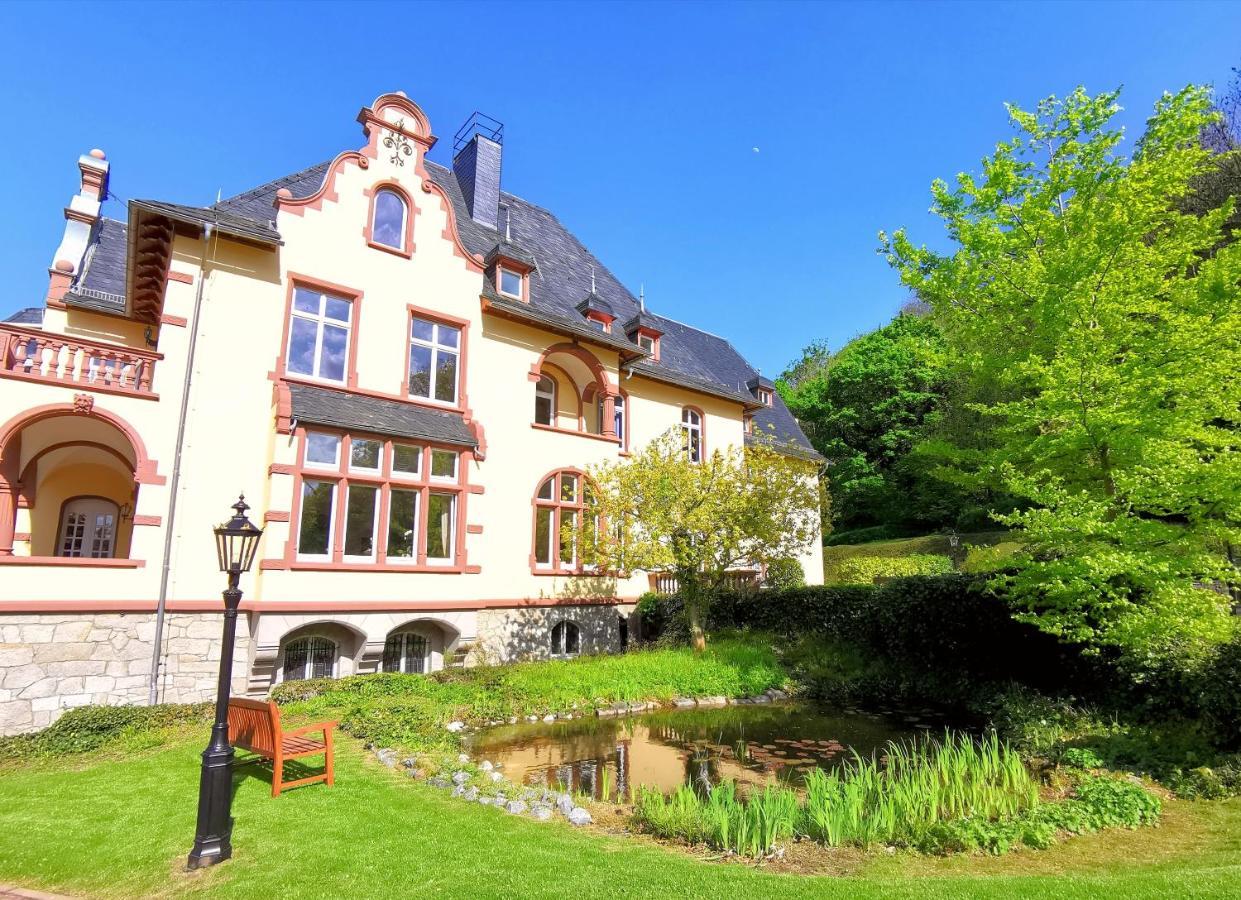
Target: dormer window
{"type": "Point", "coordinates": [642, 330]}
{"type": "Point", "coordinates": [510, 283]}
{"type": "Point", "coordinates": [764, 396]}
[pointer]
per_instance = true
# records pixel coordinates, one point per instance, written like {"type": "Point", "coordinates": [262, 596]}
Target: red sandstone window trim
{"type": "Point", "coordinates": [354, 297]}
{"type": "Point", "coordinates": [422, 484]}
{"type": "Point", "coordinates": [556, 506]}
{"type": "Point", "coordinates": [463, 351]}
{"type": "Point", "coordinates": [406, 249]}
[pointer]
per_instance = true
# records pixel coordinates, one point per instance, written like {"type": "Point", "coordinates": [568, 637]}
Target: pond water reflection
{"type": "Point", "coordinates": [750, 744]}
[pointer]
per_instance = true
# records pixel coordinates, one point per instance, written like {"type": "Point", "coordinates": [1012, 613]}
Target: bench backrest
{"type": "Point", "coordinates": [254, 725]}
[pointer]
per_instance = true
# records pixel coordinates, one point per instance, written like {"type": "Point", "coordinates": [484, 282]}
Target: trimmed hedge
{"type": "Point", "coordinates": [949, 629]}
{"type": "Point", "coordinates": [869, 569]}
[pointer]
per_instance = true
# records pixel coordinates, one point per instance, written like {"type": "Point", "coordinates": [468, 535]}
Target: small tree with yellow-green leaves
{"type": "Point", "coordinates": [660, 512]}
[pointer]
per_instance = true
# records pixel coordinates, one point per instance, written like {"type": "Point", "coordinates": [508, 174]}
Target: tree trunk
{"type": "Point", "coordinates": [695, 611]}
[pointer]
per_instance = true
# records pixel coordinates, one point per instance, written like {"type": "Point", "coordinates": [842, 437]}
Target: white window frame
{"type": "Point", "coordinates": [456, 466]}
{"type": "Point", "coordinates": [321, 319]}
{"type": "Point", "coordinates": [331, 527]}
{"type": "Point", "coordinates": [689, 428]}
{"type": "Point", "coordinates": [451, 558]}
{"type": "Point", "coordinates": [500, 282]}
{"type": "Point", "coordinates": [620, 419]}
{"type": "Point", "coordinates": [647, 343]}
{"type": "Point", "coordinates": [412, 559]}
{"type": "Point", "coordinates": [376, 469]}
{"type": "Point", "coordinates": [309, 463]}
{"type": "Point", "coordinates": [404, 219]}
{"type": "Point", "coordinates": [540, 393]}
{"type": "Point", "coordinates": [436, 347]}
{"type": "Point", "coordinates": [401, 474]}
{"type": "Point", "coordinates": [374, 554]}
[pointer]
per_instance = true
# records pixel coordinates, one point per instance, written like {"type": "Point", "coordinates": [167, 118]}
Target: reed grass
{"type": "Point", "coordinates": [893, 799]}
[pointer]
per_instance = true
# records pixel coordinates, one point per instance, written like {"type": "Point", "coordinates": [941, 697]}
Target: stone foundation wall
{"type": "Point", "coordinates": [506, 635]}
{"type": "Point", "coordinates": [53, 662]}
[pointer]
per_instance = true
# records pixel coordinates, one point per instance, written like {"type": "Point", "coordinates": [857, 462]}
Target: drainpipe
{"type": "Point", "coordinates": [171, 518]}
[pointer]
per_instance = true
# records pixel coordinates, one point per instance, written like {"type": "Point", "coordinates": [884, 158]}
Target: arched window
{"type": "Point", "coordinates": [545, 400]}
{"type": "Point", "coordinates": [566, 640]}
{"type": "Point", "coordinates": [559, 511]}
{"type": "Point", "coordinates": [88, 528]}
{"type": "Point", "coordinates": [406, 651]}
{"type": "Point", "coordinates": [309, 657]}
{"type": "Point", "coordinates": [388, 224]}
{"type": "Point", "coordinates": [691, 425]}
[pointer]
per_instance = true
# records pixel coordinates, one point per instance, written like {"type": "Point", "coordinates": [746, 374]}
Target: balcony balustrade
{"type": "Point", "coordinates": [33, 355]}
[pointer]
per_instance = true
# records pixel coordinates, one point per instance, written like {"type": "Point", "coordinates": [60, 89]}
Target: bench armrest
{"type": "Point", "coordinates": [325, 727]}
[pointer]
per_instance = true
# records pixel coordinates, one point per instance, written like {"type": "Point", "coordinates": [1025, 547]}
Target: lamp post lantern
{"type": "Point", "coordinates": [236, 542]}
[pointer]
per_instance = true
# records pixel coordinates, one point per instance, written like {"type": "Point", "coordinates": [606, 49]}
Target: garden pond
{"type": "Point", "coordinates": [751, 744]}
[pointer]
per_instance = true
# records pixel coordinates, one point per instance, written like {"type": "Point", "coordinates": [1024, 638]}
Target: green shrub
{"type": "Point", "coordinates": [1081, 758]}
{"type": "Point", "coordinates": [866, 569]}
{"type": "Point", "coordinates": [1219, 690]}
{"type": "Point", "coordinates": [864, 535]}
{"type": "Point", "coordinates": [943, 638]}
{"type": "Point", "coordinates": [88, 728]}
{"type": "Point", "coordinates": [985, 560]}
{"type": "Point", "coordinates": [784, 573]}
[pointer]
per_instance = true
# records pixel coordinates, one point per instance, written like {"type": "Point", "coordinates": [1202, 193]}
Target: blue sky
{"type": "Point", "coordinates": [738, 159]}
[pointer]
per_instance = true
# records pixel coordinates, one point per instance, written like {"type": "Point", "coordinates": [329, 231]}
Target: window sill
{"type": "Point", "coordinates": [395, 251]}
{"type": "Point", "coordinates": [575, 433]}
{"type": "Point", "coordinates": [325, 566]}
{"type": "Point", "coordinates": [72, 562]}
{"type": "Point", "coordinates": [573, 573]}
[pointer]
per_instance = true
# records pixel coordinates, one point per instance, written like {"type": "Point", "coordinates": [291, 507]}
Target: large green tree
{"type": "Point", "coordinates": [864, 408]}
{"type": "Point", "coordinates": [1109, 320]}
{"type": "Point", "coordinates": [659, 512]}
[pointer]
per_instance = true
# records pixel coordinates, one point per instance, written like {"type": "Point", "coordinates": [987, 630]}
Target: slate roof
{"type": "Point", "coordinates": [561, 278]}
{"type": "Point", "coordinates": [226, 221]}
{"type": "Point", "coordinates": [324, 406]}
{"type": "Point", "coordinates": [30, 316]}
{"type": "Point", "coordinates": [101, 285]}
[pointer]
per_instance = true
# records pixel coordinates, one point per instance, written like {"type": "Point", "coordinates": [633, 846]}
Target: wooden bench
{"type": "Point", "coordinates": [254, 725]}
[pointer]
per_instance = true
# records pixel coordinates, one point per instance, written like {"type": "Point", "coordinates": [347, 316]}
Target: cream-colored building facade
{"type": "Point", "coordinates": [406, 371]}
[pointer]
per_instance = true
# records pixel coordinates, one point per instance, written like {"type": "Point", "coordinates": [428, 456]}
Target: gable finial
{"type": "Point", "coordinates": [508, 225]}
{"type": "Point", "coordinates": [642, 297]}
{"type": "Point", "coordinates": [592, 279]}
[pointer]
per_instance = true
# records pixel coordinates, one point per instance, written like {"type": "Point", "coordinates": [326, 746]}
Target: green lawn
{"type": "Point", "coordinates": [121, 828]}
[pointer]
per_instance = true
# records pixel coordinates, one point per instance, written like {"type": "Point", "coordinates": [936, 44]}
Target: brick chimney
{"type": "Point", "coordinates": [477, 167]}
{"type": "Point", "coordinates": [81, 216]}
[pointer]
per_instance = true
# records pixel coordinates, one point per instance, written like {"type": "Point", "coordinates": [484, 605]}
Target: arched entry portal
{"type": "Point", "coordinates": [69, 481]}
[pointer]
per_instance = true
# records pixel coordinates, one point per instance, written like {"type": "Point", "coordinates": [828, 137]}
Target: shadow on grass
{"type": "Point", "coordinates": [259, 769]}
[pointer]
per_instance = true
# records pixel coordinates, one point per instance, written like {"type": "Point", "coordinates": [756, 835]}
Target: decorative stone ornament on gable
{"type": "Point", "coordinates": [398, 143]}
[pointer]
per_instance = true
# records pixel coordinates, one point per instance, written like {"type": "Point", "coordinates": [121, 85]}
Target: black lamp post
{"type": "Point", "coordinates": [236, 542]}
